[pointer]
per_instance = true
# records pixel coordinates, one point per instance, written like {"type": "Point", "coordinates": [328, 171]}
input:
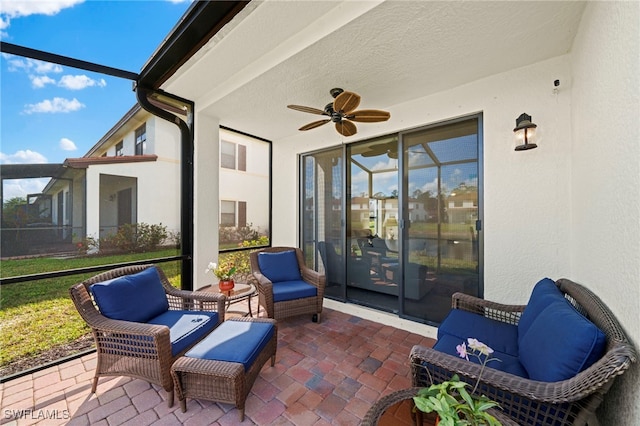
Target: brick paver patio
{"type": "Point", "coordinates": [325, 374]}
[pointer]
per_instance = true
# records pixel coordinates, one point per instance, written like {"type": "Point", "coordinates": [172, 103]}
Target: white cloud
{"type": "Point", "coordinates": [40, 81]}
{"type": "Point", "coordinates": [17, 8]}
{"type": "Point", "coordinates": [32, 65]}
{"type": "Point", "coordinates": [67, 145]}
{"type": "Point", "coordinates": [79, 82]}
{"type": "Point", "coordinates": [54, 105]}
{"type": "Point", "coordinates": [22, 187]}
{"type": "Point", "coordinates": [22, 157]}
{"type": "Point", "coordinates": [10, 9]}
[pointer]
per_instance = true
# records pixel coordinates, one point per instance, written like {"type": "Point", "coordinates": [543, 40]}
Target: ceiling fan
{"type": "Point", "coordinates": [342, 112]}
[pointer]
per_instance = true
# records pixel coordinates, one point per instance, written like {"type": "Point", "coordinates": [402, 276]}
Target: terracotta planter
{"type": "Point", "coordinates": [226, 285]}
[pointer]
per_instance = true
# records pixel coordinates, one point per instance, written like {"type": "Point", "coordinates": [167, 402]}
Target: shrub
{"type": "Point", "coordinates": [130, 238]}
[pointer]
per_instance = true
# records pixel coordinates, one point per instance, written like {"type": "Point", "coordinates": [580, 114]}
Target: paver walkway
{"type": "Point", "coordinates": [325, 374]}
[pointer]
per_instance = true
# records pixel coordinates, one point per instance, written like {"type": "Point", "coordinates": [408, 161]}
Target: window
{"type": "Point", "coordinates": [247, 218]}
{"type": "Point", "coordinates": [141, 138]}
{"type": "Point", "coordinates": [232, 158]}
{"type": "Point", "coordinates": [228, 155]}
{"type": "Point", "coordinates": [227, 213]}
{"type": "Point", "coordinates": [120, 149]}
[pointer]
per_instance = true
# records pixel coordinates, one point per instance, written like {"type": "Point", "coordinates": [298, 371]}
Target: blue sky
{"type": "Point", "coordinates": [49, 112]}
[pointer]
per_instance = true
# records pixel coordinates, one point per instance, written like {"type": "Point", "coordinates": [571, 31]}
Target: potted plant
{"type": "Point", "coordinates": [452, 402]}
{"type": "Point", "coordinates": [225, 273]}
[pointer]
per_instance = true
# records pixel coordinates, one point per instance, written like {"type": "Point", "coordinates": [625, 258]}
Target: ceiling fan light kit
{"type": "Point", "coordinates": [342, 112]}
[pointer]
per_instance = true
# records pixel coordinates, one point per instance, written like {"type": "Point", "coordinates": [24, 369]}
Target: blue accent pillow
{"type": "Point", "coordinates": [544, 293]}
{"type": "Point", "coordinates": [282, 266]}
{"type": "Point", "coordinates": [560, 343]}
{"type": "Point", "coordinates": [234, 341]}
{"type": "Point", "coordinates": [137, 297]}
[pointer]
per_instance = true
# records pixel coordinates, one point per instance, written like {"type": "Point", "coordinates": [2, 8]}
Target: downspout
{"type": "Point", "coordinates": [150, 100]}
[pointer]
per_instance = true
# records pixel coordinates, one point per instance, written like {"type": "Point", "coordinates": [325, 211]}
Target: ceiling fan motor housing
{"type": "Point", "coordinates": [335, 92]}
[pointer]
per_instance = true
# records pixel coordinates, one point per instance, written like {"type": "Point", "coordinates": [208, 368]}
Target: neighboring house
{"type": "Point", "coordinates": [117, 182]}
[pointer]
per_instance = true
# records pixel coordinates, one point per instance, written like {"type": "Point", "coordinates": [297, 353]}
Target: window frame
{"type": "Point", "coordinates": [141, 139]}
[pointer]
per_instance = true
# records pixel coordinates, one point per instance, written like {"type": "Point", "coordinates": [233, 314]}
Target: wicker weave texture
{"type": "Point", "coordinates": [289, 308]}
{"type": "Point", "coordinates": [136, 349]}
{"type": "Point", "coordinates": [221, 381]}
{"type": "Point", "coordinates": [529, 402]}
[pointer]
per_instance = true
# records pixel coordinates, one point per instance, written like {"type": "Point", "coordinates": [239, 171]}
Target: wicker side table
{"type": "Point", "coordinates": [397, 407]}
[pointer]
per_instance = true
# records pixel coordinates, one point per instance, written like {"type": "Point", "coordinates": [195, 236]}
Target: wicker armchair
{"type": "Point", "coordinates": [137, 349]}
{"type": "Point", "coordinates": [571, 401]}
{"type": "Point", "coordinates": [290, 307]}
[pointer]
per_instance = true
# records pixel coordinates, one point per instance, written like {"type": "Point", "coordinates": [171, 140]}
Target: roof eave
{"type": "Point", "coordinates": [200, 22]}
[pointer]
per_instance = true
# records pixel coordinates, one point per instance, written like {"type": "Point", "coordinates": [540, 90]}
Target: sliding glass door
{"type": "Point", "coordinates": [406, 233]}
{"type": "Point", "coordinates": [441, 217]}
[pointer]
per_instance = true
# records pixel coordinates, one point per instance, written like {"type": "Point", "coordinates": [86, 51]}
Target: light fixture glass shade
{"type": "Point", "coordinates": [525, 131]}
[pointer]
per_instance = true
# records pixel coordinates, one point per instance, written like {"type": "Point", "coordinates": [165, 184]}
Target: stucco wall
{"type": "Point", "coordinates": [206, 196]}
{"type": "Point", "coordinates": [605, 237]}
{"type": "Point", "coordinates": [526, 194]}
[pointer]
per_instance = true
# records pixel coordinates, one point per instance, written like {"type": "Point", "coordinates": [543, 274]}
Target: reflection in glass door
{"type": "Point", "coordinates": [441, 191]}
{"type": "Point", "coordinates": [322, 230]}
{"type": "Point", "coordinates": [372, 231]}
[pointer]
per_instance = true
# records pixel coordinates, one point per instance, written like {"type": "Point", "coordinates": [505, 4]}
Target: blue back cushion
{"type": "Point", "coordinates": [560, 343]}
{"type": "Point", "coordinates": [136, 297]}
{"type": "Point", "coordinates": [544, 293]}
{"type": "Point", "coordinates": [282, 266]}
{"type": "Point", "coordinates": [234, 341]}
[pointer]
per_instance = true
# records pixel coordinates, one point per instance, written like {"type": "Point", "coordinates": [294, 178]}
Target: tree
{"type": "Point", "coordinates": [14, 212]}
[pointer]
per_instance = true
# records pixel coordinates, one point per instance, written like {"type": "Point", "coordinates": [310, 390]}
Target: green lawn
{"type": "Point", "coordinates": [37, 316]}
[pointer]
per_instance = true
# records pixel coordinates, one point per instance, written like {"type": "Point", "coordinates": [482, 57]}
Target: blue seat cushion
{"type": "Point", "coordinates": [498, 335]}
{"type": "Point", "coordinates": [234, 341]}
{"type": "Point", "coordinates": [507, 362]}
{"type": "Point", "coordinates": [292, 290]}
{"type": "Point", "coordinates": [186, 327]}
{"type": "Point", "coordinates": [544, 293]}
{"type": "Point", "coordinates": [281, 266]}
{"type": "Point", "coordinates": [137, 297]}
{"type": "Point", "coordinates": [560, 343]}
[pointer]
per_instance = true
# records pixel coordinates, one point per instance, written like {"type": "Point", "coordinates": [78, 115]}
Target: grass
{"type": "Point", "coordinates": [37, 316]}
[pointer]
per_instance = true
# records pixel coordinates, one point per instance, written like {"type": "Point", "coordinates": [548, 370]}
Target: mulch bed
{"type": "Point", "coordinates": [54, 354]}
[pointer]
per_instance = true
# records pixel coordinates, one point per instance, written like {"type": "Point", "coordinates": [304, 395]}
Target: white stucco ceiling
{"type": "Point", "coordinates": [277, 53]}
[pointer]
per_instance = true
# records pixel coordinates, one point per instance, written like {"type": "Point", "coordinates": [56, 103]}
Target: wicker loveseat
{"type": "Point", "coordinates": [141, 323]}
{"type": "Point", "coordinates": [559, 357]}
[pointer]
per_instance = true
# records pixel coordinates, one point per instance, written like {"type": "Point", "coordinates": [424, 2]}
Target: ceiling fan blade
{"type": "Point", "coordinates": [369, 115]}
{"type": "Point", "coordinates": [346, 102]}
{"type": "Point", "coordinates": [307, 109]}
{"type": "Point", "coordinates": [314, 124]}
{"type": "Point", "coordinates": [346, 128]}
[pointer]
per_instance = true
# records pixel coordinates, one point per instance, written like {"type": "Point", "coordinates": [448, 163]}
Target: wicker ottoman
{"type": "Point", "coordinates": [226, 363]}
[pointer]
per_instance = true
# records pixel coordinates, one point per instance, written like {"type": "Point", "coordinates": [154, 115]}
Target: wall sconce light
{"type": "Point", "coordinates": [525, 131]}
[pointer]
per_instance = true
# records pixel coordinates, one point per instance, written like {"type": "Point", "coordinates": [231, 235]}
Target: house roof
{"type": "Point", "coordinates": [272, 54]}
